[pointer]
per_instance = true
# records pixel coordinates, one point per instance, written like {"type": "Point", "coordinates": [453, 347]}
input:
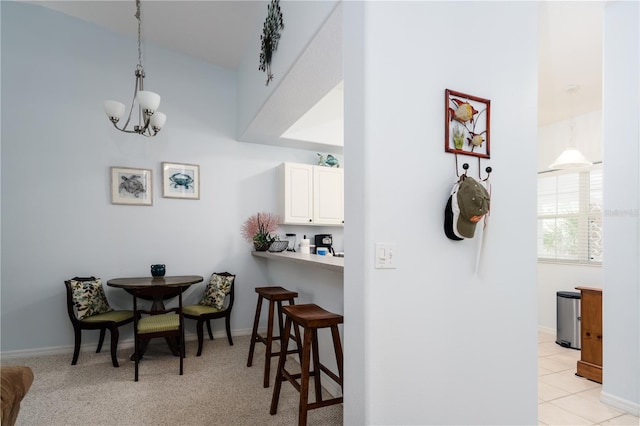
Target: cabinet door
{"type": "Point", "coordinates": [328, 196]}
{"type": "Point", "coordinates": [591, 326]}
{"type": "Point", "coordinates": [297, 187]}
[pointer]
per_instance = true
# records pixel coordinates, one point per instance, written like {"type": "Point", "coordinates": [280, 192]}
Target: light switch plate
{"type": "Point", "coordinates": [385, 255]}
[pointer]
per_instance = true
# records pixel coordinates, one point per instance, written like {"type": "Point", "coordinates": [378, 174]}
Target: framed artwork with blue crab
{"type": "Point", "coordinates": [181, 181]}
{"type": "Point", "coordinates": [131, 186]}
{"type": "Point", "coordinates": [467, 124]}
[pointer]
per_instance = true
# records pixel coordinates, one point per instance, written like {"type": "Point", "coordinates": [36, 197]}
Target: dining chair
{"type": "Point", "coordinates": [153, 323]}
{"type": "Point", "coordinates": [89, 309]}
{"type": "Point", "coordinates": [216, 302]}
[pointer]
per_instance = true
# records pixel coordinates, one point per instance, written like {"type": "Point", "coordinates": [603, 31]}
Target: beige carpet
{"type": "Point", "coordinates": [217, 388]}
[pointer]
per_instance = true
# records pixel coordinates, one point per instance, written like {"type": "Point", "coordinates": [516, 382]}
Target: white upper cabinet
{"type": "Point", "coordinates": [328, 196]}
{"type": "Point", "coordinates": [296, 193]}
{"type": "Point", "coordinates": [311, 195]}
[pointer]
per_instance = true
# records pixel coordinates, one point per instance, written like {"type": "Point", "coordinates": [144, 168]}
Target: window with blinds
{"type": "Point", "coordinates": [570, 216]}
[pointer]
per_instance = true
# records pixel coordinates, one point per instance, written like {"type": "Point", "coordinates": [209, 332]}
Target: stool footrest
{"type": "Point", "coordinates": [330, 373]}
{"type": "Point", "coordinates": [263, 339]}
{"type": "Point", "coordinates": [292, 379]}
{"type": "Point", "coordinates": [324, 403]}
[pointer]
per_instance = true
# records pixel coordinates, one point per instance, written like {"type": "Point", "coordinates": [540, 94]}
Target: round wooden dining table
{"type": "Point", "coordinates": [180, 283]}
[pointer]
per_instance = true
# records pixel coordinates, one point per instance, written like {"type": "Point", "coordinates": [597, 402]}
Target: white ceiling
{"type": "Point", "coordinates": [220, 32]}
{"type": "Point", "coordinates": [569, 52]}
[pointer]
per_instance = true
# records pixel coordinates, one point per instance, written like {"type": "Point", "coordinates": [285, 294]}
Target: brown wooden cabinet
{"type": "Point", "coordinates": [590, 363]}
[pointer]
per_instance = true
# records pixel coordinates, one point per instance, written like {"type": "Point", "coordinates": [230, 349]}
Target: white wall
{"type": "Point", "coordinates": [441, 344]}
{"type": "Point", "coordinates": [357, 273]}
{"type": "Point", "coordinates": [553, 278]}
{"type": "Point", "coordinates": [57, 150]}
{"type": "Point", "coordinates": [621, 295]}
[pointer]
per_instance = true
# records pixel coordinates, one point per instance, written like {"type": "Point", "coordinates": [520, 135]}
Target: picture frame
{"type": "Point", "coordinates": [181, 180]}
{"type": "Point", "coordinates": [467, 124]}
{"type": "Point", "coordinates": [131, 186]}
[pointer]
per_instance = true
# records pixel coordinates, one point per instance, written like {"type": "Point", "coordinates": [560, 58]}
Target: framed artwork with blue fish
{"type": "Point", "coordinates": [181, 181]}
{"type": "Point", "coordinates": [131, 186]}
{"type": "Point", "coordinates": [467, 124]}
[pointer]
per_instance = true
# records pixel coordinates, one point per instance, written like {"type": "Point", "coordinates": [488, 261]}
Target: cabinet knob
{"type": "Point", "coordinates": [310, 220]}
{"type": "Point", "coordinates": [588, 334]}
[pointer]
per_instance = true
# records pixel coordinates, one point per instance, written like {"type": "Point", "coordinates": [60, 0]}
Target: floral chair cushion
{"type": "Point", "coordinates": [89, 298]}
{"type": "Point", "coordinates": [217, 289]}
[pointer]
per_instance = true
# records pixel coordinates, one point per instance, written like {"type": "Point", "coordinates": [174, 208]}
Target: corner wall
{"type": "Point", "coordinates": [442, 344]}
{"type": "Point", "coordinates": [621, 294]}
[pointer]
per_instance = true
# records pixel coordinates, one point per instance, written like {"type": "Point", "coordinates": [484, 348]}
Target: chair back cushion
{"type": "Point", "coordinates": [89, 298]}
{"type": "Point", "coordinates": [216, 291]}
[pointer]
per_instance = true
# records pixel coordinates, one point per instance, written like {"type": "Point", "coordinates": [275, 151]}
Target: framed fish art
{"type": "Point", "coordinates": [466, 127]}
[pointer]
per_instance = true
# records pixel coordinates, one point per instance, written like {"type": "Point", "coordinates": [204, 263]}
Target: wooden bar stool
{"type": "Point", "coordinates": [275, 296]}
{"type": "Point", "coordinates": [311, 317]}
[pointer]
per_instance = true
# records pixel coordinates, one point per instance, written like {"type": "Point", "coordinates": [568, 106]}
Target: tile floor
{"type": "Point", "coordinates": [566, 399]}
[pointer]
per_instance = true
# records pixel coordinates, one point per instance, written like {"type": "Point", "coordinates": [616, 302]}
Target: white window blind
{"type": "Point", "coordinates": [570, 216]}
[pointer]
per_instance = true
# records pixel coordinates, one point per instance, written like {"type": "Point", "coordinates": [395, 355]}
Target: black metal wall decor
{"type": "Point", "coordinates": [270, 37]}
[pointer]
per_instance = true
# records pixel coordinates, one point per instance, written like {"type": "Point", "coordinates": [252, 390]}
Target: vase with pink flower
{"type": "Point", "coordinates": [259, 229]}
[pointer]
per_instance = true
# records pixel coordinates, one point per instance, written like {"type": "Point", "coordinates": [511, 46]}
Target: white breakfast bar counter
{"type": "Point", "coordinates": [317, 279]}
{"type": "Point", "coordinates": [327, 262]}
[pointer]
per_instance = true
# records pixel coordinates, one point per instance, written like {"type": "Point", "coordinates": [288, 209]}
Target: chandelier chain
{"type": "Point", "coordinates": [138, 17]}
{"type": "Point", "coordinates": [572, 89]}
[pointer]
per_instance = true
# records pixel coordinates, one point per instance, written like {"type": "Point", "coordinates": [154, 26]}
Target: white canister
{"type": "Point", "coordinates": [305, 248]}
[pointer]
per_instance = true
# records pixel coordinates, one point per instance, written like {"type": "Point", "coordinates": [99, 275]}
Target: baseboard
{"type": "Point", "coordinates": [91, 347]}
{"type": "Point", "coordinates": [547, 330]}
{"type": "Point", "coordinates": [622, 404]}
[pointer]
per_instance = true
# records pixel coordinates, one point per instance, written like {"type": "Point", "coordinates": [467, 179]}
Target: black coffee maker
{"type": "Point", "coordinates": [324, 240]}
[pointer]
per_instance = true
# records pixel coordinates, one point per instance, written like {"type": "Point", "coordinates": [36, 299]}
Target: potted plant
{"type": "Point", "coordinates": [258, 229]}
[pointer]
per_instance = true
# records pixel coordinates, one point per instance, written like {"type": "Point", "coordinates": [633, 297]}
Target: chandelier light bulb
{"type": "Point", "coordinates": [149, 101]}
{"type": "Point", "coordinates": [570, 158]}
{"type": "Point", "coordinates": [157, 120]}
{"type": "Point", "coordinates": [114, 110]}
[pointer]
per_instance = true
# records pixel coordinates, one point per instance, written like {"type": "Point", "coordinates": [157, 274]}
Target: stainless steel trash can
{"type": "Point", "coordinates": [568, 319]}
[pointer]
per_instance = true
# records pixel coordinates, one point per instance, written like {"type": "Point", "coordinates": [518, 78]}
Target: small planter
{"type": "Point", "coordinates": [261, 246]}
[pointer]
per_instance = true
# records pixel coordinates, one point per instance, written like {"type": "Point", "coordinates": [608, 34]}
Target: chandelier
{"type": "Point", "coordinates": [150, 121]}
{"type": "Point", "coordinates": [571, 158]}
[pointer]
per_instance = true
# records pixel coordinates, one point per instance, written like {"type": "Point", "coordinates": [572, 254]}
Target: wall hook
{"type": "Point", "coordinates": [488, 170]}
